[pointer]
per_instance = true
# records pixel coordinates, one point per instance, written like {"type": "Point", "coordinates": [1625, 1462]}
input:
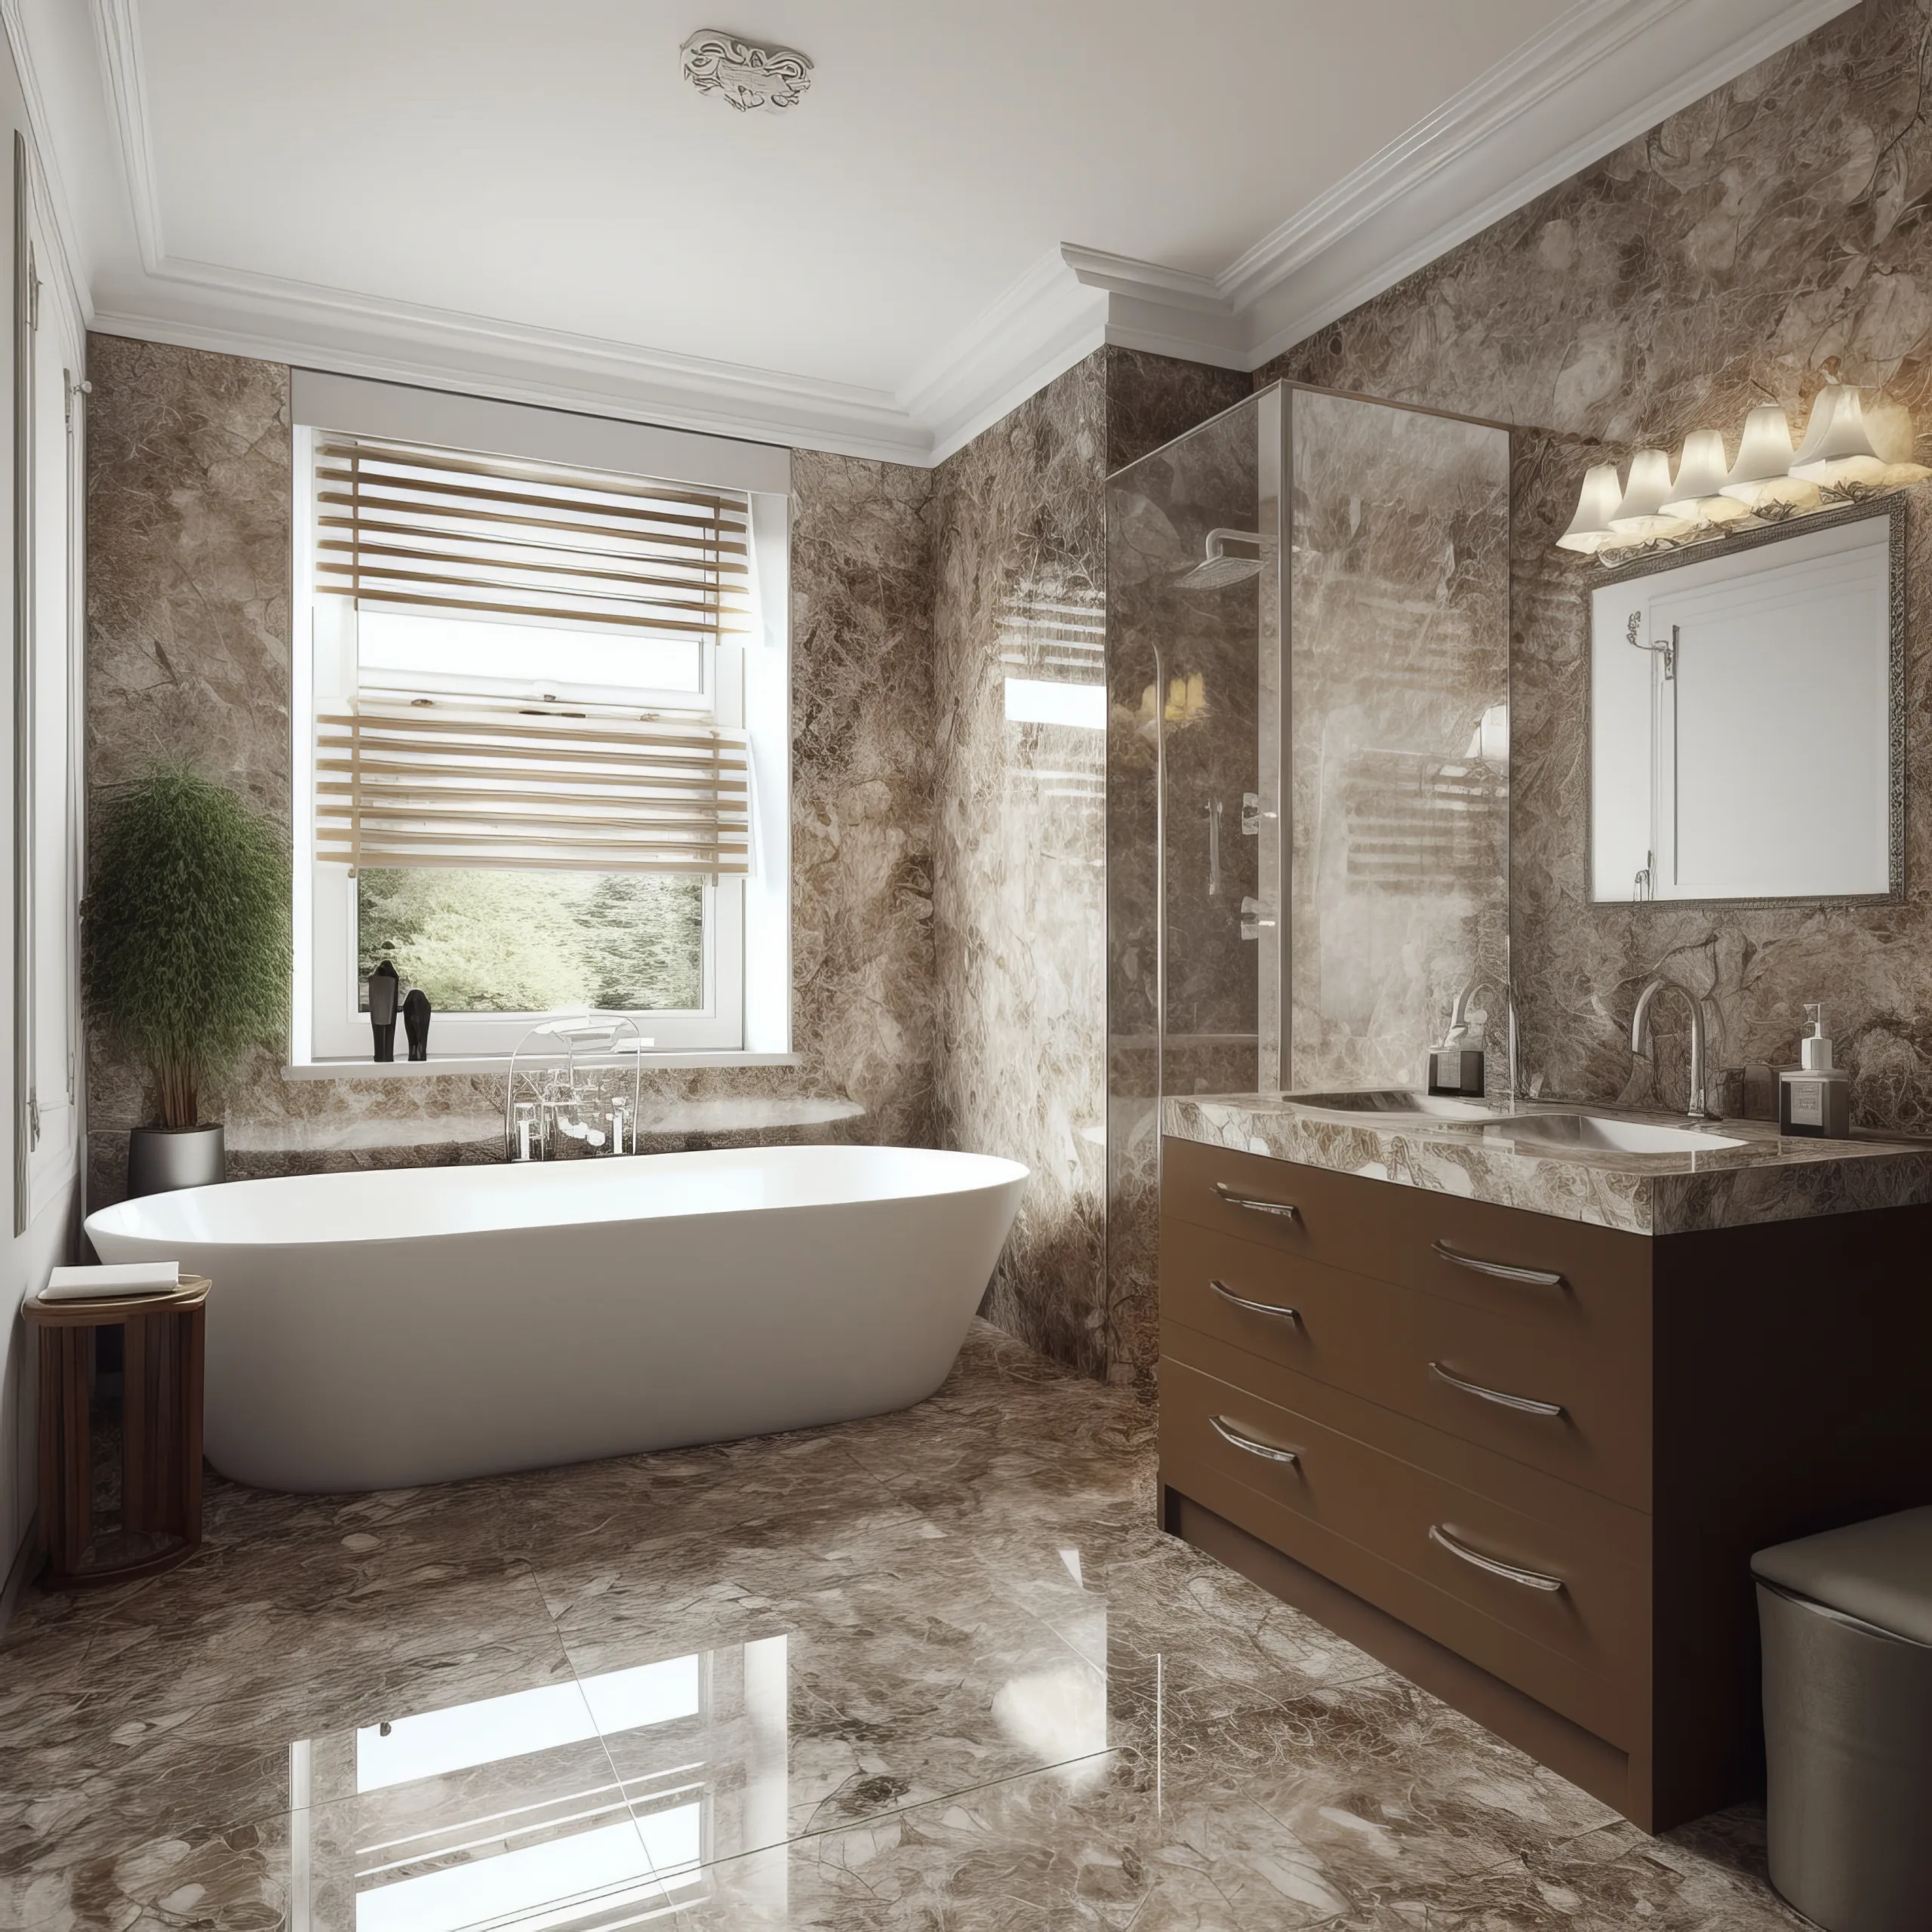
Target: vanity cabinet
{"type": "Point", "coordinates": [1525, 1459]}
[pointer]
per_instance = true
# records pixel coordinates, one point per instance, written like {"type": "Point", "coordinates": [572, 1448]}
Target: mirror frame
{"type": "Point", "coordinates": [1892, 508]}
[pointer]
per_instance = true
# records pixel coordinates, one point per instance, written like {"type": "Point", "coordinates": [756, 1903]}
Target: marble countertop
{"type": "Point", "coordinates": [1765, 1178]}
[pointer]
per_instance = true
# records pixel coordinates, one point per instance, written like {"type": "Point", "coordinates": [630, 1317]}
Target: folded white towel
{"type": "Point", "coordinates": [126, 1277]}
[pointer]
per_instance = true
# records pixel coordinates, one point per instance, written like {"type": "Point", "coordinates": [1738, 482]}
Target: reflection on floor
{"type": "Point", "coordinates": [935, 1671]}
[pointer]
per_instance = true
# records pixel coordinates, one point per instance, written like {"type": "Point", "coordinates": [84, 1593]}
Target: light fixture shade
{"type": "Point", "coordinates": [1641, 514]}
{"type": "Point", "coordinates": [1589, 528]}
{"type": "Point", "coordinates": [1761, 475]}
{"type": "Point", "coordinates": [1697, 495]}
{"type": "Point", "coordinates": [1852, 440]}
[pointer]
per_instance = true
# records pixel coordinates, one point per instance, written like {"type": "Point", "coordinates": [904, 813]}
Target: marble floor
{"type": "Point", "coordinates": [936, 1671]}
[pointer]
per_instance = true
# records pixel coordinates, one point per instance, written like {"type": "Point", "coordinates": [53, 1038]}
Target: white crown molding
{"type": "Point", "coordinates": [1067, 304]}
{"type": "Point", "coordinates": [1044, 323]}
{"type": "Point", "coordinates": [1564, 51]}
{"type": "Point", "coordinates": [117, 37]}
{"type": "Point", "coordinates": [1598, 76]}
{"type": "Point", "coordinates": [196, 305]}
{"type": "Point", "coordinates": [1594, 79]}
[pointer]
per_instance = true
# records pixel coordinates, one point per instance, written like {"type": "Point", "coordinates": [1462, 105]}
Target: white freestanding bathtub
{"type": "Point", "coordinates": [374, 1330]}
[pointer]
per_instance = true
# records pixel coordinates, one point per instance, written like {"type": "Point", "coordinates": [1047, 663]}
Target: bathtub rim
{"type": "Point", "coordinates": [998, 1171]}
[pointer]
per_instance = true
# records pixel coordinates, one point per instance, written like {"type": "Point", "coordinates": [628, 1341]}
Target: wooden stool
{"type": "Point", "coordinates": [160, 1430]}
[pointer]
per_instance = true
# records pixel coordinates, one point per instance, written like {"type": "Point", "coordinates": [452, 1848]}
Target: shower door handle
{"type": "Point", "coordinates": [1255, 918]}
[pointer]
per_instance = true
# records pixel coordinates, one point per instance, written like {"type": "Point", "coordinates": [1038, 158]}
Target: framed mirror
{"type": "Point", "coordinates": [1747, 717]}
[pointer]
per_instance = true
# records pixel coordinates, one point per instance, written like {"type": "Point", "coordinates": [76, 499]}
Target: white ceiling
{"type": "Point", "coordinates": [532, 201]}
{"type": "Point", "coordinates": [572, 179]}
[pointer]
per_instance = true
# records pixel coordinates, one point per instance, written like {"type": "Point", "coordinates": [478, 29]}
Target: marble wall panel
{"type": "Point", "coordinates": [1020, 851]}
{"type": "Point", "coordinates": [187, 599]}
{"type": "Point", "coordinates": [1023, 849]}
{"type": "Point", "coordinates": [1733, 254]}
{"type": "Point", "coordinates": [1151, 399]}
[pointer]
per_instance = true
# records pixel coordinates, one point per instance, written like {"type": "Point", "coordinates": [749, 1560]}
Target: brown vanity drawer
{"type": "Point", "coordinates": [1587, 1284]}
{"type": "Point", "coordinates": [1361, 1512]}
{"type": "Point", "coordinates": [1379, 1340]}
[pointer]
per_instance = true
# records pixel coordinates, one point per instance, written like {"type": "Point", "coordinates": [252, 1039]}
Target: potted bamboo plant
{"type": "Point", "coordinates": [185, 955]}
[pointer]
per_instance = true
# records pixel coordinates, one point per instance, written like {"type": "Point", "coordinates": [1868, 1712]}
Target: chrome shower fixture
{"type": "Point", "coordinates": [1220, 569]}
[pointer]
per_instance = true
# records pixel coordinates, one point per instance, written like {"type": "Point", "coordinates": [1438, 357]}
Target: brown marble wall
{"type": "Point", "coordinates": [1020, 850]}
{"type": "Point", "coordinates": [1022, 855]}
{"type": "Point", "coordinates": [1722, 260]}
{"type": "Point", "coordinates": [1151, 399]}
{"type": "Point", "coordinates": [187, 650]}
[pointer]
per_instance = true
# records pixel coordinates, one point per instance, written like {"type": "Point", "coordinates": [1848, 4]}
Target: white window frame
{"type": "Point", "coordinates": [48, 794]}
{"type": "Point", "coordinates": [746, 1011]}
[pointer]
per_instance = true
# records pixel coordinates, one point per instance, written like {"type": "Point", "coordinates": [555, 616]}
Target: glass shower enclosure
{"type": "Point", "coordinates": [1308, 605]}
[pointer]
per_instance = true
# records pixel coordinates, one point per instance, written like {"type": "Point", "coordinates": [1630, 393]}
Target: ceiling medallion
{"type": "Point", "coordinates": [744, 74]}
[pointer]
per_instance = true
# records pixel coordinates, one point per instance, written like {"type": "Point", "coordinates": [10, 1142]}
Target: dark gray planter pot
{"type": "Point", "coordinates": [162, 1159]}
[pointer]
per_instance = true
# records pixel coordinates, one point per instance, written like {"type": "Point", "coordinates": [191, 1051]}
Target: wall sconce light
{"type": "Point", "coordinates": [1856, 444]}
{"type": "Point", "coordinates": [1697, 495]}
{"type": "Point", "coordinates": [1640, 517]}
{"type": "Point", "coordinates": [1761, 479]}
{"type": "Point", "coordinates": [1589, 529]}
{"type": "Point", "coordinates": [1851, 445]}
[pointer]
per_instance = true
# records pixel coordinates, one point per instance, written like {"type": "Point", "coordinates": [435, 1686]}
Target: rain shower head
{"type": "Point", "coordinates": [1220, 569]}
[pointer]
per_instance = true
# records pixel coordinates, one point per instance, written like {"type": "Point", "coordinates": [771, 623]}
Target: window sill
{"type": "Point", "coordinates": [437, 1067]}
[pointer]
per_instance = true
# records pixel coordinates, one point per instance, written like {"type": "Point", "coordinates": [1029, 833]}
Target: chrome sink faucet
{"type": "Point", "coordinates": [1459, 1023]}
{"type": "Point", "coordinates": [1642, 1045]}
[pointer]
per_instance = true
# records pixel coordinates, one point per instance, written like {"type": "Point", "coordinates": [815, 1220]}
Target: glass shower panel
{"type": "Point", "coordinates": [1398, 888]}
{"type": "Point", "coordinates": [1194, 603]}
{"type": "Point", "coordinates": [1307, 771]}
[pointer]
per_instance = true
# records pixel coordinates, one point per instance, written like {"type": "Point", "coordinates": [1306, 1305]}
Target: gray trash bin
{"type": "Point", "coordinates": [1846, 1620]}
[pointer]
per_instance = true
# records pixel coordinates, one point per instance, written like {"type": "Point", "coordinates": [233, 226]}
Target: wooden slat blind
{"type": "Point", "coordinates": [436, 783]}
{"type": "Point", "coordinates": [438, 533]}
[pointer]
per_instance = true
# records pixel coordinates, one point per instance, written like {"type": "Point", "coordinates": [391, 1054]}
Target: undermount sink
{"type": "Point", "coordinates": [1396, 1100]}
{"type": "Point", "coordinates": [1596, 1133]}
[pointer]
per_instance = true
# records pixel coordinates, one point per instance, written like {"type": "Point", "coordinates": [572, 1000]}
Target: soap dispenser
{"type": "Point", "coordinates": [1814, 1097]}
{"type": "Point", "coordinates": [1455, 1067]}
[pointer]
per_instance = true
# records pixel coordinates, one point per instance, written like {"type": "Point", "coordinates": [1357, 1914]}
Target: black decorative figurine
{"type": "Point", "coordinates": [385, 990]}
{"type": "Point", "coordinates": [416, 1022]}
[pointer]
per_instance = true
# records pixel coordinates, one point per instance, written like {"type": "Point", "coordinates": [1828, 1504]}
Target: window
{"type": "Point", "coordinates": [542, 757]}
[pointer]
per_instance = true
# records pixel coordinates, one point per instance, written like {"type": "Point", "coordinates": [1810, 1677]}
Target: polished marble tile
{"type": "Point", "coordinates": [87, 1772]}
{"type": "Point", "coordinates": [1610, 1881]}
{"type": "Point", "coordinates": [932, 1672]}
{"type": "Point", "coordinates": [496, 1811]}
{"type": "Point", "coordinates": [232, 1881]}
{"type": "Point", "coordinates": [1096, 1843]}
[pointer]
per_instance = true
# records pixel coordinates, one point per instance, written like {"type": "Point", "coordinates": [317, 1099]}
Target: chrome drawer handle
{"type": "Point", "coordinates": [1528, 1405]}
{"type": "Point", "coordinates": [1226, 1431]}
{"type": "Point", "coordinates": [1287, 1209]}
{"type": "Point", "coordinates": [1530, 1580]}
{"type": "Point", "coordinates": [1274, 1308]}
{"type": "Point", "coordinates": [1503, 1271]}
